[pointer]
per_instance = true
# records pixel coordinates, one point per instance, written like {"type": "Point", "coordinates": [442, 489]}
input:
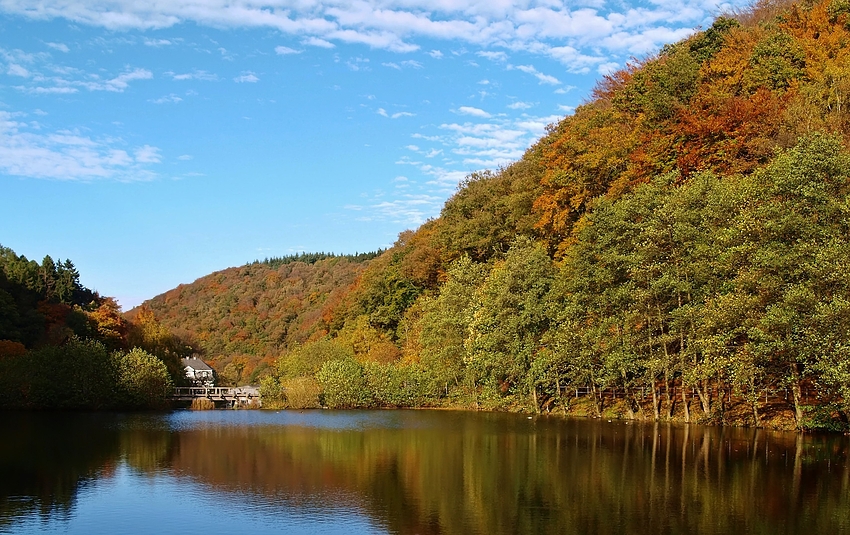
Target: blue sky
{"type": "Point", "coordinates": [155, 142]}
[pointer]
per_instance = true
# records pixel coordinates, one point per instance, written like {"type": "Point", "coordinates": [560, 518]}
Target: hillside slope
{"type": "Point", "coordinates": [680, 240]}
{"type": "Point", "coordinates": [247, 315]}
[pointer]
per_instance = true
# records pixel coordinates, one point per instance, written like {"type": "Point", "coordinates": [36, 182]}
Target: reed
{"type": "Point", "coordinates": [202, 404]}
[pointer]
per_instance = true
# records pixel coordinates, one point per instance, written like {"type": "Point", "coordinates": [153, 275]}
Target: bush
{"type": "Point", "coordinates": [344, 385]}
{"type": "Point", "coordinates": [301, 393]}
{"type": "Point", "coordinates": [823, 418]}
{"type": "Point", "coordinates": [76, 375]}
{"type": "Point", "coordinates": [143, 380]}
{"type": "Point", "coordinates": [272, 392]}
{"type": "Point", "coordinates": [397, 385]}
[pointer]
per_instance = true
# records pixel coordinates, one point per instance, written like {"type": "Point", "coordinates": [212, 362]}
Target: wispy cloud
{"type": "Point", "coordinates": [69, 155]}
{"type": "Point", "coordinates": [493, 55]}
{"type": "Point", "coordinates": [194, 75]}
{"type": "Point", "coordinates": [246, 77]}
{"type": "Point", "coordinates": [120, 82]}
{"type": "Point", "coordinates": [409, 209]}
{"type": "Point", "coordinates": [475, 112]}
{"type": "Point", "coordinates": [397, 115]}
{"type": "Point", "coordinates": [529, 69]}
{"type": "Point", "coordinates": [315, 41]}
{"type": "Point", "coordinates": [285, 51]}
{"type": "Point", "coordinates": [168, 99]}
{"type": "Point", "coordinates": [17, 70]}
{"type": "Point", "coordinates": [156, 42]}
{"type": "Point", "coordinates": [70, 80]}
{"type": "Point", "coordinates": [582, 37]}
{"type": "Point", "coordinates": [61, 47]}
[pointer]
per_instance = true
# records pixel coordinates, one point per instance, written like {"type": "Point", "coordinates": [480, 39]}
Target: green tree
{"type": "Point", "coordinates": [143, 380]}
{"type": "Point", "coordinates": [509, 317]}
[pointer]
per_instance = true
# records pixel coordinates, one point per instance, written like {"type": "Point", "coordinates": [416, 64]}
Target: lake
{"type": "Point", "coordinates": [427, 472]}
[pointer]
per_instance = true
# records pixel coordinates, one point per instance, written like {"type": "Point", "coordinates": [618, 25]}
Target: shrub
{"type": "Point", "coordinates": [143, 380]}
{"type": "Point", "coordinates": [301, 393]}
{"type": "Point", "coordinates": [344, 385]}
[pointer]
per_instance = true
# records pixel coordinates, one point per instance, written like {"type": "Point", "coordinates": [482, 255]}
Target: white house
{"type": "Point", "coordinates": [198, 372]}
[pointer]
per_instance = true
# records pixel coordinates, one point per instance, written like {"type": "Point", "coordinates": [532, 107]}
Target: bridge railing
{"type": "Point", "coordinates": [215, 392]}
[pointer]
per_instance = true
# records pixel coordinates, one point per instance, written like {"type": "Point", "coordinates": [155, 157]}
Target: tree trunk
{"type": "Point", "coordinates": [686, 404]}
{"type": "Point", "coordinates": [756, 418]}
{"type": "Point", "coordinates": [656, 410]}
{"type": "Point", "coordinates": [631, 403]}
{"type": "Point", "coordinates": [704, 399]}
{"type": "Point", "coordinates": [597, 402]}
{"type": "Point", "coordinates": [671, 401]}
{"type": "Point", "coordinates": [797, 393]}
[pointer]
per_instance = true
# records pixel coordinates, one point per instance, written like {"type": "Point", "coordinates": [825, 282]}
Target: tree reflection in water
{"type": "Point", "coordinates": [446, 472]}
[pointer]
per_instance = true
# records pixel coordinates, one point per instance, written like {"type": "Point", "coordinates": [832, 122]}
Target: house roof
{"type": "Point", "coordinates": [195, 364]}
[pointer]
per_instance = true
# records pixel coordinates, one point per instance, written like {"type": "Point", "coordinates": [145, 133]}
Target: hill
{"type": "Point", "coordinates": [679, 244]}
{"type": "Point", "coordinates": [242, 318]}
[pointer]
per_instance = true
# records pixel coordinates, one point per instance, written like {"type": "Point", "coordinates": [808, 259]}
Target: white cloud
{"type": "Point", "coordinates": [608, 67]}
{"type": "Point", "coordinates": [39, 90]}
{"type": "Point", "coordinates": [397, 115]}
{"type": "Point", "coordinates": [392, 65]}
{"type": "Point", "coordinates": [315, 41]}
{"type": "Point", "coordinates": [16, 70]}
{"type": "Point", "coordinates": [581, 36]}
{"type": "Point", "coordinates": [156, 42]}
{"type": "Point", "coordinates": [358, 64]}
{"type": "Point", "coordinates": [414, 148]}
{"type": "Point", "coordinates": [68, 155]}
{"type": "Point", "coordinates": [412, 63]}
{"type": "Point", "coordinates": [475, 112]}
{"type": "Point", "coordinates": [285, 50]}
{"type": "Point", "coordinates": [61, 47]}
{"type": "Point", "coordinates": [194, 75]}
{"type": "Point", "coordinates": [172, 99]}
{"type": "Point", "coordinates": [185, 157]}
{"type": "Point", "coordinates": [529, 69]}
{"type": "Point", "coordinates": [147, 154]}
{"type": "Point", "coordinates": [247, 77]}
{"type": "Point", "coordinates": [117, 84]}
{"type": "Point", "coordinates": [409, 209]}
{"type": "Point", "coordinates": [493, 56]}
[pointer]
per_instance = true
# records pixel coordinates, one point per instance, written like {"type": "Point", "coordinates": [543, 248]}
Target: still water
{"type": "Point", "coordinates": [257, 472]}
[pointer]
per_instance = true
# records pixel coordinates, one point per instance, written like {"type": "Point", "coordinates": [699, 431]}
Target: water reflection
{"type": "Point", "coordinates": [419, 472]}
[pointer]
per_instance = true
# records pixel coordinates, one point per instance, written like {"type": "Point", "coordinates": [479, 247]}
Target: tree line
{"type": "Point", "coordinates": [683, 231]}
{"type": "Point", "coordinates": [64, 346]}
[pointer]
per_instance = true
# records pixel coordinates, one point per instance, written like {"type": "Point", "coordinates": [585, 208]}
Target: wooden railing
{"type": "Point", "coordinates": [216, 393]}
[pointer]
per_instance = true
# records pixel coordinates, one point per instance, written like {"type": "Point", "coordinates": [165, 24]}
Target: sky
{"type": "Point", "coordinates": [154, 142]}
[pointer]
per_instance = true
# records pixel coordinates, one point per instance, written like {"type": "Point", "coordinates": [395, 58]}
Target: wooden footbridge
{"type": "Point", "coordinates": [245, 396]}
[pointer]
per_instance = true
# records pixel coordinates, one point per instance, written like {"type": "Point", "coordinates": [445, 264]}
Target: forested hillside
{"type": "Point", "coordinates": [681, 241]}
{"type": "Point", "coordinates": [243, 318]}
{"type": "Point", "coordinates": [63, 346]}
